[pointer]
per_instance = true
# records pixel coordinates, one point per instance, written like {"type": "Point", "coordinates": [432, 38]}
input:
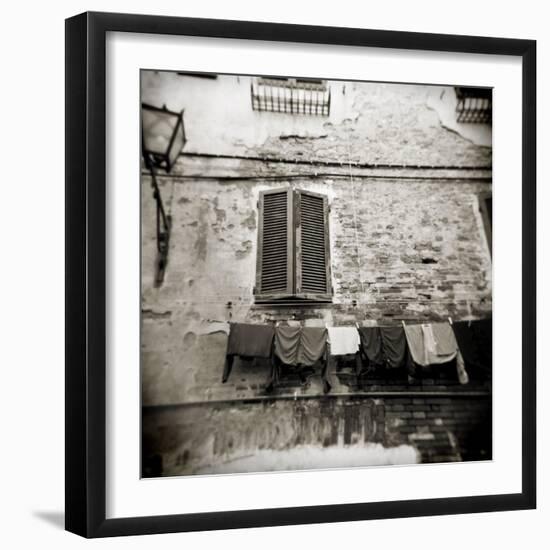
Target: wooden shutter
{"type": "Point", "coordinates": [486, 208]}
{"type": "Point", "coordinates": [312, 246]}
{"type": "Point", "coordinates": [275, 261]}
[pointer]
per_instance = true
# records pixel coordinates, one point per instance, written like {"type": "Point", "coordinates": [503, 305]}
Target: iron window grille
{"type": "Point", "coordinates": [474, 105]}
{"type": "Point", "coordinates": [293, 261]}
{"type": "Point", "coordinates": [297, 96]}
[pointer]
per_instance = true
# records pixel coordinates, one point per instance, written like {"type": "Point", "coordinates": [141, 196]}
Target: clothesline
{"type": "Point", "coordinates": [319, 323]}
{"type": "Point", "coordinates": [411, 345]}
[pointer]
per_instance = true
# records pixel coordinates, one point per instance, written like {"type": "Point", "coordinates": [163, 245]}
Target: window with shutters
{"type": "Point", "coordinates": [293, 260]}
{"type": "Point", "coordinates": [296, 96]}
{"type": "Point", "coordinates": [485, 201]}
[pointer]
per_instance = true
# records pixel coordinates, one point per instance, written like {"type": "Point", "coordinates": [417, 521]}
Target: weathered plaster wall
{"type": "Point", "coordinates": [369, 122]}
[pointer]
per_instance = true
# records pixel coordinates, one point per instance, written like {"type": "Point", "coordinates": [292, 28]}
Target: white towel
{"type": "Point", "coordinates": [343, 340]}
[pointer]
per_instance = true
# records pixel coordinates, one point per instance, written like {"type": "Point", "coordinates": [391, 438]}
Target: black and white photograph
{"type": "Point", "coordinates": [257, 294]}
{"type": "Point", "coordinates": [316, 273]}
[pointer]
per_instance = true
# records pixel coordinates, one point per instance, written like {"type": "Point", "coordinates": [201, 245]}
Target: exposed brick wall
{"type": "Point", "coordinates": [443, 429]}
{"type": "Point", "coordinates": [401, 249]}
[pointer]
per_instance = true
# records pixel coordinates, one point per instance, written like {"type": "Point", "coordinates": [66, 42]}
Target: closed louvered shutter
{"type": "Point", "coordinates": [293, 247]}
{"type": "Point", "coordinates": [312, 246]}
{"type": "Point", "coordinates": [275, 245]}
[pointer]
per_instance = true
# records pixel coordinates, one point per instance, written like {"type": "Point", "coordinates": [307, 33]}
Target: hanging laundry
{"type": "Point", "coordinates": [394, 346]}
{"type": "Point", "coordinates": [447, 349]}
{"type": "Point", "coordinates": [415, 341]}
{"type": "Point", "coordinates": [483, 334]}
{"type": "Point", "coordinates": [440, 343]}
{"type": "Point", "coordinates": [435, 344]}
{"type": "Point", "coordinates": [302, 346]}
{"type": "Point", "coordinates": [475, 341]}
{"type": "Point", "coordinates": [319, 323]}
{"type": "Point", "coordinates": [444, 339]}
{"type": "Point", "coordinates": [343, 340]}
{"type": "Point", "coordinates": [461, 372]}
{"type": "Point", "coordinates": [466, 342]}
{"type": "Point", "coordinates": [431, 343]}
{"type": "Point", "coordinates": [313, 343]}
{"type": "Point", "coordinates": [246, 340]}
{"type": "Point", "coordinates": [287, 342]}
{"type": "Point", "coordinates": [371, 344]}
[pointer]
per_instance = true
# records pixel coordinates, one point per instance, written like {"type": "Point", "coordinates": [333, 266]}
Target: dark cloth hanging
{"type": "Point", "coordinates": [475, 341]}
{"type": "Point", "coordinates": [313, 347]}
{"type": "Point", "coordinates": [302, 346]}
{"type": "Point", "coordinates": [394, 346]}
{"type": "Point", "coordinates": [371, 344]}
{"type": "Point", "coordinates": [287, 343]}
{"type": "Point", "coordinates": [466, 344]}
{"type": "Point", "coordinates": [483, 334]}
{"type": "Point", "coordinates": [250, 340]}
{"type": "Point", "coordinates": [313, 343]}
{"type": "Point", "coordinates": [247, 340]}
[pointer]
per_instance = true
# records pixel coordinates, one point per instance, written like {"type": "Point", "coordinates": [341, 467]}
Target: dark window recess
{"type": "Point", "coordinates": [199, 75]}
{"type": "Point", "coordinates": [474, 105]}
{"type": "Point", "coordinates": [486, 209]}
{"type": "Point", "coordinates": [290, 95]}
{"type": "Point", "coordinates": [293, 260]}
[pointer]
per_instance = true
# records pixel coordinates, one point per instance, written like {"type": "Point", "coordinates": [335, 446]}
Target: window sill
{"type": "Point", "coordinates": [306, 300]}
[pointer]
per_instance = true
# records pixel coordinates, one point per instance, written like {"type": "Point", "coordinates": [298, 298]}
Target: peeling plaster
{"type": "Point", "coordinates": [250, 221]}
{"type": "Point", "coordinates": [247, 248]}
{"type": "Point", "coordinates": [155, 315]}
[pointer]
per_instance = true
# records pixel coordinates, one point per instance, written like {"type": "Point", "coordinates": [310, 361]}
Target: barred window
{"type": "Point", "coordinates": [293, 247]}
{"type": "Point", "coordinates": [474, 105]}
{"type": "Point", "coordinates": [296, 96]}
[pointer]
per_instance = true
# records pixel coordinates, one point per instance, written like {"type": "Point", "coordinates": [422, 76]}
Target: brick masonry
{"type": "Point", "coordinates": [425, 260]}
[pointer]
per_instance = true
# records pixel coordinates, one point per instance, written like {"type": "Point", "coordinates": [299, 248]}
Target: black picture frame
{"type": "Point", "coordinates": [86, 268]}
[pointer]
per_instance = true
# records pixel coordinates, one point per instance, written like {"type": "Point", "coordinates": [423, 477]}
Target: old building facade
{"type": "Point", "coordinates": [401, 191]}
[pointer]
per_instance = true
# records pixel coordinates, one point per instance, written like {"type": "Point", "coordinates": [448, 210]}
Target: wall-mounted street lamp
{"type": "Point", "coordinates": [162, 139]}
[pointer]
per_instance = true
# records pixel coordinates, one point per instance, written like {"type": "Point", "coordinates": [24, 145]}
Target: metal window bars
{"type": "Point", "coordinates": [474, 105]}
{"type": "Point", "coordinates": [291, 95]}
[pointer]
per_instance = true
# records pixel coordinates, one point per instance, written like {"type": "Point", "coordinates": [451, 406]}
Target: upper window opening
{"type": "Point", "coordinates": [297, 96]}
{"type": "Point", "coordinates": [474, 104]}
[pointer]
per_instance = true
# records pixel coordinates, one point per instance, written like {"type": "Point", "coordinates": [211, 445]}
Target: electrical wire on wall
{"type": "Point", "coordinates": [354, 209]}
